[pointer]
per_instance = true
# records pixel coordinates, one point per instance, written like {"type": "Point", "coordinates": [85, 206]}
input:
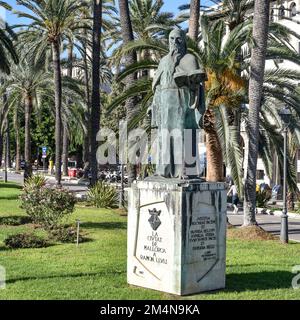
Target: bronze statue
{"type": "Point", "coordinates": [178, 105]}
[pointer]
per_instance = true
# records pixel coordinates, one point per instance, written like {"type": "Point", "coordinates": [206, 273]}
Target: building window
{"type": "Point", "coordinates": [281, 12]}
{"type": "Point", "coordinates": [293, 10]}
{"type": "Point", "coordinates": [298, 177]}
{"type": "Point", "coordinates": [260, 174]}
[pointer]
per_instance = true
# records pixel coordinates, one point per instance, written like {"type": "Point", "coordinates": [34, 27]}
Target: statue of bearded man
{"type": "Point", "coordinates": [177, 109]}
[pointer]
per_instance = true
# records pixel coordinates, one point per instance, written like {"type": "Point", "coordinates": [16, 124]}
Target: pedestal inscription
{"type": "Point", "coordinates": [202, 241]}
{"type": "Point", "coordinates": [153, 246]}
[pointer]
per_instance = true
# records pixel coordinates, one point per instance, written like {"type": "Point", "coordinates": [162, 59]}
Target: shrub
{"type": "Point", "coordinates": [65, 234]}
{"type": "Point", "coordinates": [25, 240]}
{"type": "Point", "coordinates": [47, 206]}
{"type": "Point", "coordinates": [102, 195]}
{"type": "Point", "coordinates": [35, 182]}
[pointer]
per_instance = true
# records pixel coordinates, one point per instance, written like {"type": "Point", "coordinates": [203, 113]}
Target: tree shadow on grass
{"type": "Point", "coordinates": [105, 225]}
{"type": "Point", "coordinates": [71, 275]}
{"type": "Point", "coordinates": [14, 220]}
{"type": "Point", "coordinates": [4, 248]}
{"type": "Point", "coordinates": [10, 197]}
{"type": "Point", "coordinates": [10, 185]}
{"type": "Point", "coordinates": [255, 281]}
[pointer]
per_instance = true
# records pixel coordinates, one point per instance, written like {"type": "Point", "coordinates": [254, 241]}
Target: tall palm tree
{"type": "Point", "coordinates": [127, 34]}
{"type": "Point", "coordinates": [27, 85]}
{"type": "Point", "coordinates": [17, 138]}
{"type": "Point", "coordinates": [194, 19]}
{"type": "Point", "coordinates": [52, 21]}
{"type": "Point", "coordinates": [84, 45]}
{"type": "Point", "coordinates": [257, 71]}
{"type": "Point", "coordinates": [65, 125]}
{"type": "Point", "coordinates": [95, 110]}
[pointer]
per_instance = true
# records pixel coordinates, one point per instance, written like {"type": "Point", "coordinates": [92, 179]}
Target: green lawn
{"type": "Point", "coordinates": [97, 269]}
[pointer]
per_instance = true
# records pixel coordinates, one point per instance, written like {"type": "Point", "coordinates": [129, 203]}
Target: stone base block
{"type": "Point", "coordinates": [177, 235]}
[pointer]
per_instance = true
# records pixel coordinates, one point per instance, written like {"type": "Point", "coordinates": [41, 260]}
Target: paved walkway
{"type": "Point", "coordinates": [73, 187]}
{"type": "Point", "coordinates": [269, 223]}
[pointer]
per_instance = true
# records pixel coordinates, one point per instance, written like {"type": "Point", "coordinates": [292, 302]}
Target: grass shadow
{"type": "Point", "coordinates": [10, 197]}
{"type": "Point", "coordinates": [105, 225]}
{"type": "Point", "coordinates": [10, 185]}
{"type": "Point", "coordinates": [14, 220]}
{"type": "Point", "coordinates": [71, 275]}
{"type": "Point", "coordinates": [254, 281]}
{"type": "Point", "coordinates": [4, 248]}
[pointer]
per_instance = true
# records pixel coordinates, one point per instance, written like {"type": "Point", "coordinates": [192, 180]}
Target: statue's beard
{"type": "Point", "coordinates": [177, 53]}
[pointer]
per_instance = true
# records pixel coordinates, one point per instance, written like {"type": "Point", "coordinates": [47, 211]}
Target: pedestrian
{"type": "Point", "coordinates": [235, 197]}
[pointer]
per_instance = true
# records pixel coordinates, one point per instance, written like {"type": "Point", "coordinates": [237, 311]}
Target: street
{"type": "Point", "coordinates": [269, 223]}
{"type": "Point", "coordinates": [69, 184]}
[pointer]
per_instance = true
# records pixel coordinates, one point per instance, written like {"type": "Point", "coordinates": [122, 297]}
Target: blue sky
{"type": "Point", "coordinates": [170, 5]}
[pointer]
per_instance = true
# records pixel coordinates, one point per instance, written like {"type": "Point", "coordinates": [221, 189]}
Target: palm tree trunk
{"type": "Point", "coordinates": [95, 111]}
{"type": "Point", "coordinates": [194, 19]}
{"type": "Point", "coordinates": [58, 108]}
{"type": "Point", "coordinates": [27, 148]}
{"type": "Point", "coordinates": [1, 148]}
{"type": "Point", "coordinates": [127, 35]}
{"type": "Point", "coordinates": [214, 157]}
{"type": "Point", "coordinates": [257, 65]}
{"type": "Point", "coordinates": [291, 200]}
{"type": "Point", "coordinates": [65, 145]}
{"type": "Point", "coordinates": [65, 149]}
{"type": "Point", "coordinates": [87, 133]}
{"type": "Point", "coordinates": [17, 137]}
{"type": "Point", "coordinates": [7, 139]}
{"type": "Point", "coordinates": [8, 143]}
{"type": "Point", "coordinates": [85, 156]}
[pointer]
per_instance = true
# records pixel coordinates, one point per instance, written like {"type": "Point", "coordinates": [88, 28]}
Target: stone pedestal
{"type": "Point", "coordinates": [177, 235]}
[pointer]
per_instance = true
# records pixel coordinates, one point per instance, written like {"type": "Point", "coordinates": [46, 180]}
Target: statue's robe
{"type": "Point", "coordinates": [178, 103]}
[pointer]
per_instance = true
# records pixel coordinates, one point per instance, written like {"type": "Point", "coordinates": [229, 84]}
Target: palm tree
{"type": "Point", "coordinates": [257, 70]}
{"type": "Point", "coordinates": [234, 12]}
{"type": "Point", "coordinates": [17, 138]}
{"type": "Point", "coordinates": [84, 44]}
{"type": "Point", "coordinates": [194, 19]}
{"type": "Point", "coordinates": [27, 85]}
{"type": "Point", "coordinates": [127, 34]}
{"type": "Point", "coordinates": [147, 15]}
{"type": "Point", "coordinates": [65, 126]}
{"type": "Point", "coordinates": [95, 110]}
{"type": "Point", "coordinates": [7, 49]}
{"type": "Point", "coordinates": [52, 21]}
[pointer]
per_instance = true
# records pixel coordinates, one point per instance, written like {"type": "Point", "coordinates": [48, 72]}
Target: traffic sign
{"type": "Point", "coordinates": [44, 152]}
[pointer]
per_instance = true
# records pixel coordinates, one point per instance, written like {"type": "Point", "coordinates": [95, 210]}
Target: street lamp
{"type": "Point", "coordinates": [285, 115]}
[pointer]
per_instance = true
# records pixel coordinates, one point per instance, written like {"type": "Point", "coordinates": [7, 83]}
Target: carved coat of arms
{"type": "Point", "coordinates": [154, 219]}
